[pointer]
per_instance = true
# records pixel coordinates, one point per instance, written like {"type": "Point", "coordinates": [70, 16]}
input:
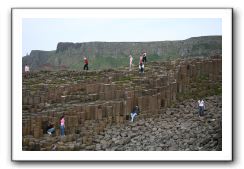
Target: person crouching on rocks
{"type": "Point", "coordinates": [50, 129]}
{"type": "Point", "coordinates": [134, 113]}
{"type": "Point", "coordinates": [62, 125]}
{"type": "Point", "coordinates": [201, 107]}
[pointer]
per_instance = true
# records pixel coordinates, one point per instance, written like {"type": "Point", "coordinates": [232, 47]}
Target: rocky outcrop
{"type": "Point", "coordinates": [175, 129]}
{"type": "Point", "coordinates": [97, 106]}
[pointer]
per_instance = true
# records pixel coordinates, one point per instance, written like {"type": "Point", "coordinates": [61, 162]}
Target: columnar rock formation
{"type": "Point", "coordinates": [92, 101]}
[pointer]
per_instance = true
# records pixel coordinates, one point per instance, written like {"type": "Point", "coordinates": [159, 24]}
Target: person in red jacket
{"type": "Point", "coordinates": [85, 63]}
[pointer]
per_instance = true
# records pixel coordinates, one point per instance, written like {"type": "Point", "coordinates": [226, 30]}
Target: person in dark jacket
{"type": "Point", "coordinates": [134, 113]}
{"type": "Point", "coordinates": [144, 59]}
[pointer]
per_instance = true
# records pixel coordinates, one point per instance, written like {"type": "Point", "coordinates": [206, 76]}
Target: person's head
{"type": "Point", "coordinates": [62, 117]}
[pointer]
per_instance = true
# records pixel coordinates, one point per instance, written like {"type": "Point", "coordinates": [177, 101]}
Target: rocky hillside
{"type": "Point", "coordinates": [115, 54]}
{"type": "Point", "coordinates": [97, 107]}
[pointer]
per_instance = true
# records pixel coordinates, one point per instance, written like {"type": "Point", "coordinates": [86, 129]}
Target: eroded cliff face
{"type": "Point", "coordinates": [115, 54]}
{"type": "Point", "coordinates": [97, 107]}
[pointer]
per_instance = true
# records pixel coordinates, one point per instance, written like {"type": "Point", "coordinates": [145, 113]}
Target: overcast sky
{"type": "Point", "coordinates": [44, 34]}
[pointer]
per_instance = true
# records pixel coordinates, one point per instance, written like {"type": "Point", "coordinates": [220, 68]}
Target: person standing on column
{"type": "Point", "coordinates": [131, 59]}
{"type": "Point", "coordinates": [144, 59]}
{"type": "Point", "coordinates": [62, 126]}
{"type": "Point", "coordinates": [85, 63]}
{"type": "Point", "coordinates": [141, 65]}
{"type": "Point", "coordinates": [201, 107]}
{"type": "Point", "coordinates": [27, 70]}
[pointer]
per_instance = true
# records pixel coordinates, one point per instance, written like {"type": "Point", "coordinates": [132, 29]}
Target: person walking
{"type": "Point", "coordinates": [144, 58]}
{"type": "Point", "coordinates": [201, 107]}
{"type": "Point", "coordinates": [27, 70]}
{"type": "Point", "coordinates": [141, 68]}
{"type": "Point", "coordinates": [131, 59]}
{"type": "Point", "coordinates": [141, 65]}
{"type": "Point", "coordinates": [141, 59]}
{"type": "Point", "coordinates": [85, 64]}
{"type": "Point", "coordinates": [62, 125]}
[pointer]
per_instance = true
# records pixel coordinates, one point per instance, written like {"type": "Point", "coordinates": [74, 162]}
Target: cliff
{"type": "Point", "coordinates": [102, 55]}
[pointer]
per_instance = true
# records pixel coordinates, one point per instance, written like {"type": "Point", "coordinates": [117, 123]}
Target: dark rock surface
{"type": "Point", "coordinates": [183, 130]}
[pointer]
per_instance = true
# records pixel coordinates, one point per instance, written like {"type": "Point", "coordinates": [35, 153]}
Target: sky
{"type": "Point", "coordinates": [44, 34]}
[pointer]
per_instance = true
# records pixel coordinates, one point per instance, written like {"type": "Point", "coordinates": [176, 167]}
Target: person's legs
{"type": "Point", "coordinates": [62, 130]}
{"type": "Point", "coordinates": [51, 130]}
{"type": "Point", "coordinates": [202, 110]}
{"type": "Point", "coordinates": [133, 116]}
{"type": "Point", "coordinates": [84, 67]}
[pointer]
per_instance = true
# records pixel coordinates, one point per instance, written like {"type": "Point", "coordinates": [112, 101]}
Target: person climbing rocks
{"type": "Point", "coordinates": [131, 59]}
{"type": "Point", "coordinates": [141, 59]}
{"type": "Point", "coordinates": [134, 113]}
{"type": "Point", "coordinates": [141, 65]}
{"type": "Point", "coordinates": [141, 68]}
{"type": "Point", "coordinates": [27, 70]}
{"type": "Point", "coordinates": [144, 57]}
{"type": "Point", "coordinates": [50, 129]}
{"type": "Point", "coordinates": [62, 125]}
{"type": "Point", "coordinates": [85, 63]}
{"type": "Point", "coordinates": [201, 107]}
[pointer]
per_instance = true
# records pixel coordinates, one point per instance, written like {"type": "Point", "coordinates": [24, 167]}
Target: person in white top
{"type": "Point", "coordinates": [201, 107]}
{"type": "Point", "coordinates": [27, 70]}
{"type": "Point", "coordinates": [131, 59]}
